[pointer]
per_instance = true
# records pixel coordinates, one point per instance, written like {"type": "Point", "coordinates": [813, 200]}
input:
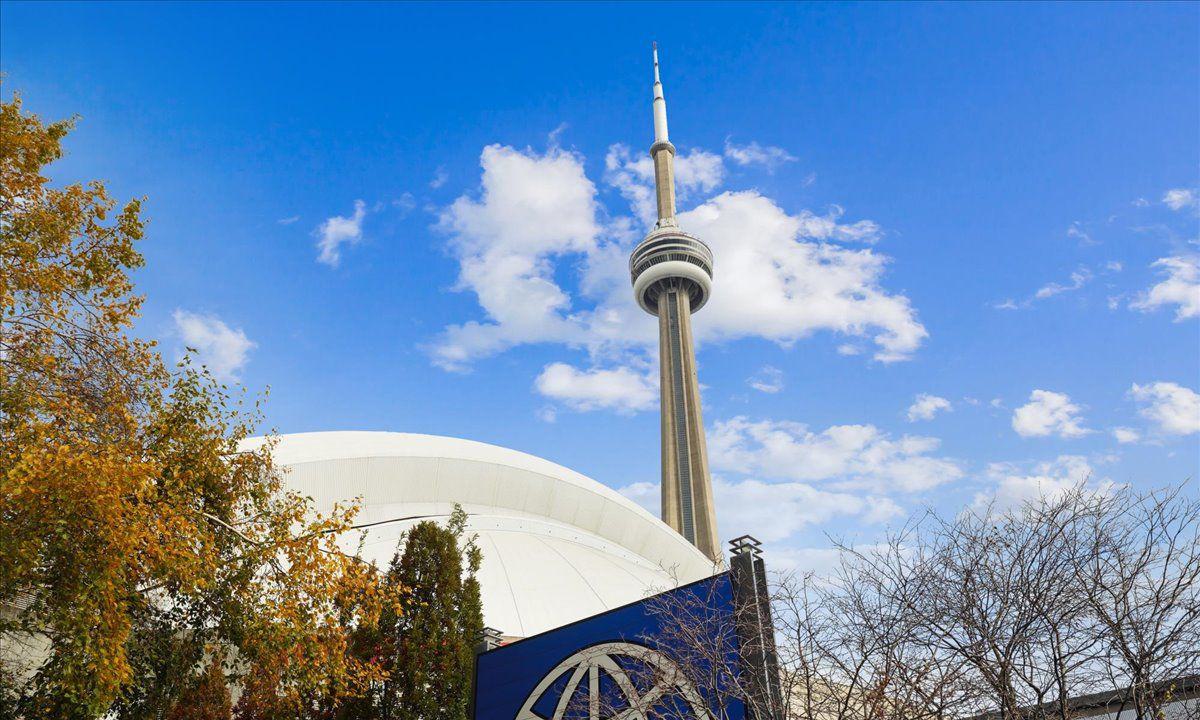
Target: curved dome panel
{"type": "Point", "coordinates": [557, 546]}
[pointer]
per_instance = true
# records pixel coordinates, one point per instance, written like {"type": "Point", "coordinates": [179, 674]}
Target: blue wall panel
{"type": "Point", "coordinates": [507, 677]}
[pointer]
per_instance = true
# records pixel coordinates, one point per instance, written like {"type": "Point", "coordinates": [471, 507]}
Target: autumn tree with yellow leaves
{"type": "Point", "coordinates": [138, 533]}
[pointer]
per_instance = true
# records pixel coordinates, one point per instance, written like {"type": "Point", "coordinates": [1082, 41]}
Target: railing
{"type": "Point", "coordinates": [670, 247]}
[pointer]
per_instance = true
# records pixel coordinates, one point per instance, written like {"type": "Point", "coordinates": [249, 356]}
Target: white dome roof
{"type": "Point", "coordinates": [557, 546]}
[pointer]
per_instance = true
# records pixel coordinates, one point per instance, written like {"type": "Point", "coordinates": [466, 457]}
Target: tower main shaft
{"type": "Point", "coordinates": [672, 278]}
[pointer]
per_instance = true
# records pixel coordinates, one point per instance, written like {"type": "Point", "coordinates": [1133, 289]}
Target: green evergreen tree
{"type": "Point", "coordinates": [471, 618]}
{"type": "Point", "coordinates": [430, 644]}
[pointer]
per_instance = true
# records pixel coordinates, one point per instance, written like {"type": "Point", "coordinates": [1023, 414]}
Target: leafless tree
{"type": "Point", "coordinates": [1140, 579]}
{"type": "Point", "coordinates": [996, 591]}
{"type": "Point", "coordinates": [849, 652]}
{"type": "Point", "coordinates": [703, 677]}
{"type": "Point", "coordinates": [700, 634]}
{"type": "Point", "coordinates": [1005, 612]}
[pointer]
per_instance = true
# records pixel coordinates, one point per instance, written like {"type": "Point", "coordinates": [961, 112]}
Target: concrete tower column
{"type": "Point", "coordinates": [686, 488]}
{"type": "Point", "coordinates": [672, 278]}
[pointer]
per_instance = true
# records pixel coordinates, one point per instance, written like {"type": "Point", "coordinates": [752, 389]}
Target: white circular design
{"type": "Point", "coordinates": [668, 681]}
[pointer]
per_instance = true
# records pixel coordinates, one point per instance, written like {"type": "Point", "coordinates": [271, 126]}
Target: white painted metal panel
{"type": "Point", "coordinates": [557, 546]}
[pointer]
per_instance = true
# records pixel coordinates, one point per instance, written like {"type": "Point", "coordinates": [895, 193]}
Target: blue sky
{"type": "Point", "coordinates": [992, 205]}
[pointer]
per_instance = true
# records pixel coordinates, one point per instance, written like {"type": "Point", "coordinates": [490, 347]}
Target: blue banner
{"type": "Point", "coordinates": [673, 655]}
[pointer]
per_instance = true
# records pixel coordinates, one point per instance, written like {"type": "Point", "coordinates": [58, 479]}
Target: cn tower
{"type": "Point", "coordinates": [672, 278]}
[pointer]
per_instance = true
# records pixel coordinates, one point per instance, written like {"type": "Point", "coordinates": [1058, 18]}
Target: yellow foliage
{"type": "Point", "coordinates": [121, 484]}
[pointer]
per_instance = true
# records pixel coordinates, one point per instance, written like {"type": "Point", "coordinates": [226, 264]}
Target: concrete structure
{"type": "Point", "coordinates": [672, 278]}
{"type": "Point", "coordinates": [557, 546]}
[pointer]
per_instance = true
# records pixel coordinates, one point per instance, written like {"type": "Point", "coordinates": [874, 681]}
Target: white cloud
{"type": "Point", "coordinates": [1076, 281]}
{"type": "Point", "coordinates": [1125, 435]}
{"type": "Point", "coordinates": [620, 389]}
{"type": "Point", "coordinates": [768, 379]}
{"type": "Point", "coordinates": [827, 227]}
{"type": "Point", "coordinates": [223, 350]}
{"type": "Point", "coordinates": [1179, 198]}
{"type": "Point", "coordinates": [406, 203]}
{"type": "Point", "coordinates": [1180, 288]}
{"type": "Point", "coordinates": [337, 231]}
{"type": "Point", "coordinates": [881, 510]}
{"type": "Point", "coordinates": [537, 222]}
{"type": "Point", "coordinates": [774, 282]}
{"type": "Point", "coordinates": [1079, 278]}
{"type": "Point", "coordinates": [534, 208]}
{"type": "Point", "coordinates": [1174, 408]}
{"type": "Point", "coordinates": [1077, 232]}
{"type": "Point", "coordinates": [288, 220]}
{"type": "Point", "coordinates": [1016, 485]}
{"type": "Point", "coordinates": [925, 407]}
{"type": "Point", "coordinates": [1048, 413]}
{"type": "Point", "coordinates": [646, 494]}
{"type": "Point", "coordinates": [774, 511]}
{"type": "Point", "coordinates": [440, 176]}
{"type": "Point", "coordinates": [821, 561]}
{"type": "Point", "coordinates": [632, 174]}
{"type": "Point", "coordinates": [852, 456]}
{"type": "Point", "coordinates": [697, 171]}
{"type": "Point", "coordinates": [754, 154]}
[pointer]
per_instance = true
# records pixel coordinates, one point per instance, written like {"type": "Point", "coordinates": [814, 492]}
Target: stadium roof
{"type": "Point", "coordinates": [557, 546]}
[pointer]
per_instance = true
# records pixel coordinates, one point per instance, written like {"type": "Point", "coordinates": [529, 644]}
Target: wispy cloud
{"type": "Point", "coordinates": [406, 203]}
{"type": "Point", "coordinates": [220, 348]}
{"type": "Point", "coordinates": [1126, 435]}
{"type": "Point", "coordinates": [337, 231]}
{"type": "Point", "coordinates": [926, 407]}
{"type": "Point", "coordinates": [1077, 231]}
{"type": "Point", "coordinates": [1079, 278]}
{"type": "Point", "coordinates": [768, 156]}
{"type": "Point", "coordinates": [440, 177]}
{"type": "Point", "coordinates": [1180, 198]}
{"type": "Point", "coordinates": [768, 379]}
{"type": "Point", "coordinates": [1180, 287]}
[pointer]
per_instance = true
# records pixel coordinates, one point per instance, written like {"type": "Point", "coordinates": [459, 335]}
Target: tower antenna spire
{"type": "Point", "coordinates": [660, 108]}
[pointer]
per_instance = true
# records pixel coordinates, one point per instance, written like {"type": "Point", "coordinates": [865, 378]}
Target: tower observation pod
{"type": "Point", "coordinates": [672, 278]}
